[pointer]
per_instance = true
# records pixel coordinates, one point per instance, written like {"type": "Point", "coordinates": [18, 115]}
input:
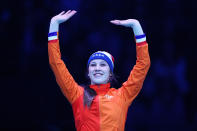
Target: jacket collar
{"type": "Point", "coordinates": [101, 89]}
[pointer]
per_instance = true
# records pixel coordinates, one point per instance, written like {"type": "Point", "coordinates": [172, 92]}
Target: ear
{"type": "Point", "coordinates": [110, 74]}
{"type": "Point", "coordinates": [88, 74]}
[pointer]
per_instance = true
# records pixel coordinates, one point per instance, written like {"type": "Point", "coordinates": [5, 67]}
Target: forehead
{"type": "Point", "coordinates": [98, 61]}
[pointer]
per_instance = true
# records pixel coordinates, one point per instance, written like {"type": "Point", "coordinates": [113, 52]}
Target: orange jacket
{"type": "Point", "coordinates": [109, 108]}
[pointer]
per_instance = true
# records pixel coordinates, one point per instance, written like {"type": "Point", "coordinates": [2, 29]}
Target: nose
{"type": "Point", "coordinates": [97, 67]}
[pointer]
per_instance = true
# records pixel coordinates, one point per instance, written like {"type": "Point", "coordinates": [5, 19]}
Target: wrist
{"type": "Point", "coordinates": [54, 26]}
{"type": "Point", "coordinates": [134, 23]}
{"type": "Point", "coordinates": [137, 29]}
{"type": "Point", "coordinates": [54, 21]}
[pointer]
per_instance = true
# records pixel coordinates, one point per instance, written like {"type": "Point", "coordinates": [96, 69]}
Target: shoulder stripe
{"type": "Point", "coordinates": [52, 34]}
{"type": "Point", "coordinates": [140, 40]}
{"type": "Point", "coordinates": [52, 38]}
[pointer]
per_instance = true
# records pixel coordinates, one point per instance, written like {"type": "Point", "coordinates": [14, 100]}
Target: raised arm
{"type": "Point", "coordinates": [64, 79]}
{"type": "Point", "coordinates": [133, 85]}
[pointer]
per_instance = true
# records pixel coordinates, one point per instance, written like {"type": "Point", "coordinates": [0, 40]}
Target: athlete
{"type": "Point", "coordinates": [99, 107]}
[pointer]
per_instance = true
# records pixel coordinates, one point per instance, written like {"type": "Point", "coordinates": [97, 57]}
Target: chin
{"type": "Point", "coordinates": [99, 82]}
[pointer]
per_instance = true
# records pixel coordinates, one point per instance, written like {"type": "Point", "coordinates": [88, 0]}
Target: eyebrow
{"type": "Point", "coordinates": [101, 62]}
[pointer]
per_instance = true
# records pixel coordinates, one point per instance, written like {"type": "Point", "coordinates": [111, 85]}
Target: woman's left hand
{"type": "Point", "coordinates": [126, 23]}
{"type": "Point", "coordinates": [132, 23]}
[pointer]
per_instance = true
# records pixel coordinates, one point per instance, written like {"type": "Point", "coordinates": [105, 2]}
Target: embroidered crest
{"type": "Point", "coordinates": [108, 96]}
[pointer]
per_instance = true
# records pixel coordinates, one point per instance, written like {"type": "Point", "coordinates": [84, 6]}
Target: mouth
{"type": "Point", "coordinates": [98, 74]}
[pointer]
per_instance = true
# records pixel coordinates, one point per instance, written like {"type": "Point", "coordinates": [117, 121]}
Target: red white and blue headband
{"type": "Point", "coordinates": [104, 56]}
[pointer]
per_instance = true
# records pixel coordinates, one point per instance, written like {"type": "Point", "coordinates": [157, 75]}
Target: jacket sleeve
{"type": "Point", "coordinates": [69, 87]}
{"type": "Point", "coordinates": [133, 85]}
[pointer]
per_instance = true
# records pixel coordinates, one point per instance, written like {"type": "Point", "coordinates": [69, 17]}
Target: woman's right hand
{"type": "Point", "coordinates": [60, 18]}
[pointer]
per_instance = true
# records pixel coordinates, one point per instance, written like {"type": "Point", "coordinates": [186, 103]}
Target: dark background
{"type": "Point", "coordinates": [30, 97]}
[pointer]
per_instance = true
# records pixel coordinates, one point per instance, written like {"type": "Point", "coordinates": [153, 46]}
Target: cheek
{"type": "Point", "coordinates": [106, 73]}
{"type": "Point", "coordinates": [90, 72]}
{"type": "Point", "coordinates": [107, 70]}
{"type": "Point", "coordinates": [90, 69]}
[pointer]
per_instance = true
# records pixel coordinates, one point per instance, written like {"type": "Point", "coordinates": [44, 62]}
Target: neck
{"type": "Point", "coordinates": [101, 88]}
{"type": "Point", "coordinates": [92, 83]}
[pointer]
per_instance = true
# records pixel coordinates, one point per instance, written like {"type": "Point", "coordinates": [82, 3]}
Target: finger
{"type": "Point", "coordinates": [68, 11]}
{"type": "Point", "coordinates": [116, 22]}
{"type": "Point", "coordinates": [72, 13]}
{"type": "Point", "coordinates": [62, 13]}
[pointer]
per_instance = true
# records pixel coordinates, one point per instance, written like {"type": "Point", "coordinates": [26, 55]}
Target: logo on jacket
{"type": "Point", "coordinates": [108, 96]}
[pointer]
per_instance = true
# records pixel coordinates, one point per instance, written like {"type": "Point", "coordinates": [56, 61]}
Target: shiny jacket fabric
{"type": "Point", "coordinates": [108, 110]}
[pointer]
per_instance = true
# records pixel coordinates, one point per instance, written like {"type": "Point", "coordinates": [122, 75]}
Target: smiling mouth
{"type": "Point", "coordinates": [98, 74]}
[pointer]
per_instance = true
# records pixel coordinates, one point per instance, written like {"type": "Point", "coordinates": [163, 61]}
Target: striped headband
{"type": "Point", "coordinates": [104, 56]}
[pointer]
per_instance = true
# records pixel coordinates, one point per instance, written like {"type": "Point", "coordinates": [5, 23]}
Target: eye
{"type": "Point", "coordinates": [92, 64]}
{"type": "Point", "coordinates": [103, 64]}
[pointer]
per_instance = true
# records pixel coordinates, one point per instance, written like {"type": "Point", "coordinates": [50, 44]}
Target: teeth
{"type": "Point", "coordinates": [98, 74]}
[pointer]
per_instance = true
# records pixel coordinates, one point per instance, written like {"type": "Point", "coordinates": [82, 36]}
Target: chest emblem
{"type": "Point", "coordinates": [108, 96]}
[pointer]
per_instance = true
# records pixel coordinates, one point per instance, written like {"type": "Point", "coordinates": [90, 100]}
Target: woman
{"type": "Point", "coordinates": [99, 107]}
